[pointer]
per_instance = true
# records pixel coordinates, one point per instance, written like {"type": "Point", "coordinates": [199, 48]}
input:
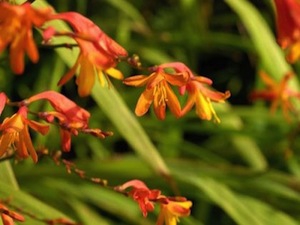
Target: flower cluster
{"type": "Point", "coordinates": [171, 208]}
{"type": "Point", "coordinates": [99, 54]}
{"type": "Point", "coordinates": [159, 92]}
{"type": "Point", "coordinates": [98, 57]}
{"type": "Point", "coordinates": [70, 118]}
{"type": "Point", "coordinates": [16, 23]}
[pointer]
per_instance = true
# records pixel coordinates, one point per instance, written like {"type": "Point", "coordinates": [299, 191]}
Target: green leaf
{"type": "Point", "coordinates": [243, 209]}
{"type": "Point", "coordinates": [133, 13]}
{"type": "Point", "coordinates": [87, 215]}
{"type": "Point", "coordinates": [7, 175]}
{"type": "Point", "coordinates": [29, 206]}
{"type": "Point", "coordinates": [249, 151]}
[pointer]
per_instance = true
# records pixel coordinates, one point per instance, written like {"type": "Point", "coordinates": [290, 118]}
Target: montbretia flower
{"type": "Point", "coordinates": [71, 117]}
{"type": "Point", "coordinates": [141, 194]}
{"type": "Point", "coordinates": [199, 93]}
{"type": "Point", "coordinates": [99, 54]}
{"type": "Point", "coordinates": [70, 111]}
{"type": "Point", "coordinates": [171, 211]}
{"type": "Point", "coordinates": [288, 27]}
{"type": "Point", "coordinates": [202, 96]}
{"type": "Point", "coordinates": [15, 134]}
{"type": "Point", "coordinates": [278, 93]}
{"type": "Point", "coordinates": [16, 24]}
{"type": "Point", "coordinates": [171, 208]}
{"type": "Point", "coordinates": [158, 91]}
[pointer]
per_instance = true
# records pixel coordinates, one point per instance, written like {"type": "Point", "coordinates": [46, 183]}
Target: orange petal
{"type": "Point", "coordinates": [137, 80]}
{"type": "Point", "coordinates": [65, 140]}
{"type": "Point", "coordinates": [7, 220]}
{"type": "Point", "coordinates": [5, 141]}
{"type": "Point", "coordinates": [69, 74]}
{"type": "Point", "coordinates": [42, 128]}
{"type": "Point", "coordinates": [268, 80]}
{"type": "Point", "coordinates": [144, 102]}
{"type": "Point", "coordinates": [86, 78]}
{"type": "Point", "coordinates": [17, 55]}
{"type": "Point", "coordinates": [192, 91]}
{"type": "Point", "coordinates": [29, 145]}
{"type": "Point", "coordinates": [159, 106]}
{"type": "Point", "coordinates": [172, 101]}
{"type": "Point", "coordinates": [176, 80]}
{"type": "Point", "coordinates": [31, 48]}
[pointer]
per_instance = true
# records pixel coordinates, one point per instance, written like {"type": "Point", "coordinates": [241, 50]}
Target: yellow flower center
{"type": "Point", "coordinates": [160, 93]}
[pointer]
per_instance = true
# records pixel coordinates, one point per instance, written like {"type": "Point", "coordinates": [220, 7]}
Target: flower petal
{"type": "Point", "coordinates": [144, 102]}
{"type": "Point", "coordinates": [137, 81]}
{"type": "Point", "coordinates": [115, 73]}
{"type": "Point", "coordinates": [172, 101]}
{"type": "Point", "coordinates": [86, 78]}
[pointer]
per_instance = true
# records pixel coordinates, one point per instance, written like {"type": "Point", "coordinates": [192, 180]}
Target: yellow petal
{"type": "Point", "coordinates": [115, 73]}
{"type": "Point", "coordinates": [203, 108]}
{"type": "Point", "coordinates": [101, 78]}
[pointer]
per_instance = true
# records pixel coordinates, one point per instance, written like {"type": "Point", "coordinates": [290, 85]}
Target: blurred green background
{"type": "Point", "coordinates": [243, 171]}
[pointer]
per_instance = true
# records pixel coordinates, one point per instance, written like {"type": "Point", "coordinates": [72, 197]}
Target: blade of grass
{"type": "Point", "coordinates": [243, 209]}
{"type": "Point", "coordinates": [7, 175]}
{"type": "Point", "coordinates": [30, 206]}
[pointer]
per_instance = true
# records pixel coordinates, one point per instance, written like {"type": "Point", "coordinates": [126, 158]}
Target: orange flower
{"type": "Point", "coordinates": [69, 111]}
{"type": "Point", "coordinates": [278, 93]}
{"type": "Point", "coordinates": [288, 27]}
{"type": "Point", "coordinates": [171, 207]}
{"type": "Point", "coordinates": [141, 194]}
{"type": "Point", "coordinates": [158, 91]}
{"type": "Point", "coordinates": [16, 23]}
{"type": "Point", "coordinates": [98, 53]}
{"type": "Point", "coordinates": [9, 216]}
{"type": "Point", "coordinates": [171, 211]}
{"type": "Point", "coordinates": [15, 134]}
{"type": "Point", "coordinates": [71, 117]}
{"type": "Point", "coordinates": [201, 96]}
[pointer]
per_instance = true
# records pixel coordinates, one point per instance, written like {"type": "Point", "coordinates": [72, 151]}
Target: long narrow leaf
{"type": "Point", "coordinates": [7, 175]}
